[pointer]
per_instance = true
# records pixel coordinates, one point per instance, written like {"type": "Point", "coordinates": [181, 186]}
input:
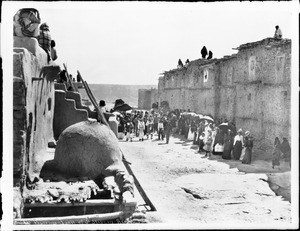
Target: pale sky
{"type": "Point", "coordinates": [133, 42]}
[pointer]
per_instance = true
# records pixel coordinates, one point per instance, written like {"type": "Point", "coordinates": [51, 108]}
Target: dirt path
{"type": "Point", "coordinates": [190, 190]}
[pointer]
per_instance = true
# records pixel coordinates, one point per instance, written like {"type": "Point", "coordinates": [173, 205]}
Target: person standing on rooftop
{"type": "Point", "coordinates": [278, 33]}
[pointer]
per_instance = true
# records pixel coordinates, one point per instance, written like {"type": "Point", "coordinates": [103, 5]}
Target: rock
{"type": "Point", "coordinates": [86, 149]}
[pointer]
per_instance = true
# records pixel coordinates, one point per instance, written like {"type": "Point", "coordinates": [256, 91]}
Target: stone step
{"type": "Point", "coordinates": [77, 98]}
{"type": "Point", "coordinates": [66, 113]}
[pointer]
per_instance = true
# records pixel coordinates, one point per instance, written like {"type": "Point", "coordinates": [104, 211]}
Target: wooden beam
{"type": "Point", "coordinates": [70, 80]}
{"type": "Point", "coordinates": [96, 202]}
{"type": "Point", "coordinates": [137, 183]}
{"type": "Point", "coordinates": [93, 100]}
{"type": "Point", "coordinates": [82, 219]}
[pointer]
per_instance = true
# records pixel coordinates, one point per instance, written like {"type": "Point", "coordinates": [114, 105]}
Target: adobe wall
{"type": "Point", "coordinates": [250, 88]}
{"type": "Point", "coordinates": [33, 107]}
{"type": "Point", "coordinates": [263, 93]}
{"type": "Point", "coordinates": [146, 97]}
{"type": "Point", "coordinates": [191, 87]}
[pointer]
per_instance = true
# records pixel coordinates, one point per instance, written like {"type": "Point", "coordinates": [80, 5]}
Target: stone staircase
{"type": "Point", "coordinates": [68, 109]}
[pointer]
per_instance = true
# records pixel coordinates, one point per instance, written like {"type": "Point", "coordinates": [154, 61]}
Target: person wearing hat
{"type": "Point", "coordinates": [248, 144]}
{"type": "Point", "coordinates": [44, 39]}
{"type": "Point", "coordinates": [238, 144]}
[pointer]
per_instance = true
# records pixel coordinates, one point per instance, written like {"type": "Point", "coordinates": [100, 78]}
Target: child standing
{"type": "Point", "coordinates": [208, 144]}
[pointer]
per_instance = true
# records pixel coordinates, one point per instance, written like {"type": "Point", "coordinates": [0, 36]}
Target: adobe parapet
{"type": "Point", "coordinates": [267, 42]}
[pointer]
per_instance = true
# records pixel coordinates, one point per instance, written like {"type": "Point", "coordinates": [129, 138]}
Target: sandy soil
{"type": "Point", "coordinates": [190, 190]}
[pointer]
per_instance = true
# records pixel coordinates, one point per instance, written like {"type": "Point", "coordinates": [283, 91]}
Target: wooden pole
{"type": "Point", "coordinates": [137, 183]}
{"type": "Point", "coordinates": [93, 100]}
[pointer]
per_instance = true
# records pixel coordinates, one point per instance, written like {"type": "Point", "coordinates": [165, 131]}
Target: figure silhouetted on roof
{"type": "Point", "coordinates": [187, 62]}
{"type": "Point", "coordinates": [210, 55]}
{"type": "Point", "coordinates": [203, 52]}
{"type": "Point", "coordinates": [180, 64]}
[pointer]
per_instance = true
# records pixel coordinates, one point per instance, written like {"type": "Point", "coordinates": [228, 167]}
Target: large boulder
{"type": "Point", "coordinates": [86, 149]}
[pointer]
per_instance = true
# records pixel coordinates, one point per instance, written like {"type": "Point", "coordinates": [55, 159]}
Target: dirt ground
{"type": "Point", "coordinates": [190, 190]}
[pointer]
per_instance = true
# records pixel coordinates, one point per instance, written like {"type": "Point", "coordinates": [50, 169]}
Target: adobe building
{"type": "Point", "coordinates": [251, 88]}
{"type": "Point", "coordinates": [146, 97]}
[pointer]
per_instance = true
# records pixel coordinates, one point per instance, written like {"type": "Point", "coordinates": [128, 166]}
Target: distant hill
{"type": "Point", "coordinates": [110, 92]}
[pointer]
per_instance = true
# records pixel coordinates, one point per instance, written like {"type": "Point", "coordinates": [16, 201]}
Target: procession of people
{"type": "Point", "coordinates": [212, 135]}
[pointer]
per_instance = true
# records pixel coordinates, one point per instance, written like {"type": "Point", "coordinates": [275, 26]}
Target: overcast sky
{"type": "Point", "coordinates": [133, 42]}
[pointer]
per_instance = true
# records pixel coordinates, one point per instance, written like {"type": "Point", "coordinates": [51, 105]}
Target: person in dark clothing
{"type": "Point", "coordinates": [167, 129]}
{"type": "Point", "coordinates": [228, 145]}
{"type": "Point", "coordinates": [238, 143]}
{"type": "Point", "coordinates": [276, 153]}
{"type": "Point", "coordinates": [180, 64]}
{"type": "Point", "coordinates": [78, 78]}
{"type": "Point", "coordinates": [248, 143]}
{"type": "Point", "coordinates": [219, 139]}
{"type": "Point", "coordinates": [63, 77]}
{"type": "Point", "coordinates": [201, 142]}
{"type": "Point", "coordinates": [204, 52]}
{"type": "Point", "coordinates": [286, 150]}
{"type": "Point", "coordinates": [210, 55]}
{"type": "Point", "coordinates": [187, 62]}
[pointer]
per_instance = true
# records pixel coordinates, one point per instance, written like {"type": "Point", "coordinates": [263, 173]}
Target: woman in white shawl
{"type": "Point", "coordinates": [141, 127]}
{"type": "Point", "coordinates": [238, 144]}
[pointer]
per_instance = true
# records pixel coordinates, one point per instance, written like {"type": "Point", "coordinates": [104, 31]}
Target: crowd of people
{"type": "Point", "coordinates": [213, 136]}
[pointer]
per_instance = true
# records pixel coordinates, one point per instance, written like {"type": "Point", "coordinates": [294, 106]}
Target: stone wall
{"type": "Point", "coordinates": [250, 88]}
{"type": "Point", "coordinates": [146, 97]}
{"type": "Point", "coordinates": [33, 106]}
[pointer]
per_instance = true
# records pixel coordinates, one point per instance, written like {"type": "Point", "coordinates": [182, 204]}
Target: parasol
{"type": "Point", "coordinates": [207, 118]}
{"type": "Point", "coordinates": [123, 107]}
{"type": "Point", "coordinates": [116, 113]}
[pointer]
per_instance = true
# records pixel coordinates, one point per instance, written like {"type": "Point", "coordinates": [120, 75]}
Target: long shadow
{"type": "Point", "coordinates": [184, 141]}
{"type": "Point", "coordinates": [247, 168]}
